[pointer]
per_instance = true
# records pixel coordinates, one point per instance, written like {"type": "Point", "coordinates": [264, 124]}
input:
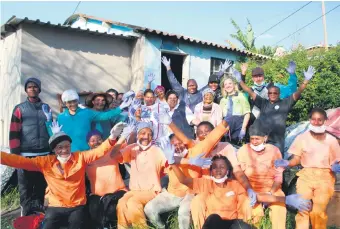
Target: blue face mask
{"type": "Point", "coordinates": [259, 85]}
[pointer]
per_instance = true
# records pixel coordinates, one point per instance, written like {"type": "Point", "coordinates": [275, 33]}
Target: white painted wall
{"type": "Point", "coordinates": [11, 87]}
{"type": "Point", "coordinates": [137, 64]}
{"type": "Point", "coordinates": [64, 59]}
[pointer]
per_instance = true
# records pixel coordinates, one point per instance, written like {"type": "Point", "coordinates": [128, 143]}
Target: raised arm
{"type": "Point", "coordinates": [15, 130]}
{"type": "Point", "coordinates": [291, 87]}
{"type": "Point", "coordinates": [176, 86]}
{"type": "Point", "coordinates": [308, 76]}
{"type": "Point", "coordinates": [20, 162]}
{"type": "Point", "coordinates": [151, 77]}
{"type": "Point", "coordinates": [106, 147]}
{"type": "Point", "coordinates": [238, 77]}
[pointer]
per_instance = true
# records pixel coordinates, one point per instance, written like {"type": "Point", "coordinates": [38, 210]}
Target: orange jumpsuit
{"type": "Point", "coordinates": [145, 175]}
{"type": "Point", "coordinates": [261, 173]}
{"type": "Point", "coordinates": [316, 180]}
{"type": "Point", "coordinates": [227, 202]}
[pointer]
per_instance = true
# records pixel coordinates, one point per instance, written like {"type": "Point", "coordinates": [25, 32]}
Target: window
{"type": "Point", "coordinates": [215, 65]}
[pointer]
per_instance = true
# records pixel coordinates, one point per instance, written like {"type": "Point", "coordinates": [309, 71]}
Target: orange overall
{"type": "Point", "coordinates": [261, 173]}
{"type": "Point", "coordinates": [146, 169]}
{"type": "Point", "coordinates": [316, 180]}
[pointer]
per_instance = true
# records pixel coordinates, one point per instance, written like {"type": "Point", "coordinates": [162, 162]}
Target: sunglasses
{"type": "Point", "coordinates": [273, 93]}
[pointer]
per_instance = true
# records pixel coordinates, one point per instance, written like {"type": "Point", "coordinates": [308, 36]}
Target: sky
{"type": "Point", "coordinates": [208, 21]}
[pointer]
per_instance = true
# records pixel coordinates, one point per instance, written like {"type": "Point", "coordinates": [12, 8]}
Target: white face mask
{"type": "Point", "coordinates": [258, 148]}
{"type": "Point", "coordinates": [144, 147]}
{"type": "Point", "coordinates": [182, 154]}
{"type": "Point", "coordinates": [63, 160]}
{"type": "Point", "coordinates": [317, 129]}
{"type": "Point", "coordinates": [259, 85]}
{"type": "Point", "coordinates": [219, 180]}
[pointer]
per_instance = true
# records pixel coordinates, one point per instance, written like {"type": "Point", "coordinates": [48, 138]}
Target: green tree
{"type": "Point", "coordinates": [245, 38]}
{"type": "Point", "coordinates": [266, 50]}
{"type": "Point", "coordinates": [322, 91]}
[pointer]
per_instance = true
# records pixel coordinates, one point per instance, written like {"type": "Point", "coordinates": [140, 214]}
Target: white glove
{"type": "Point", "coordinates": [252, 197]}
{"type": "Point", "coordinates": [309, 73]}
{"type": "Point", "coordinates": [128, 130]}
{"type": "Point", "coordinates": [163, 116]}
{"type": "Point", "coordinates": [225, 65]}
{"type": "Point", "coordinates": [126, 103]}
{"type": "Point", "coordinates": [55, 128]}
{"type": "Point", "coordinates": [299, 203]}
{"type": "Point", "coordinates": [128, 94]}
{"type": "Point", "coordinates": [200, 161]}
{"type": "Point", "coordinates": [168, 150]}
{"type": "Point", "coordinates": [237, 75]}
{"type": "Point", "coordinates": [151, 77]}
{"type": "Point", "coordinates": [117, 130]}
{"type": "Point", "coordinates": [166, 62]}
{"type": "Point", "coordinates": [47, 112]}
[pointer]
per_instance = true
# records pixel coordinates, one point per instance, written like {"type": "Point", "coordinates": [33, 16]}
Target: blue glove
{"type": "Point", "coordinates": [291, 67]}
{"type": "Point", "coordinates": [128, 130]}
{"type": "Point", "coordinates": [336, 167]}
{"type": "Point", "coordinates": [241, 135]}
{"type": "Point", "coordinates": [252, 197]}
{"type": "Point", "coordinates": [47, 112]}
{"type": "Point", "coordinates": [200, 161]}
{"type": "Point", "coordinates": [237, 75]}
{"type": "Point", "coordinates": [126, 103]}
{"type": "Point", "coordinates": [281, 163]}
{"type": "Point", "coordinates": [299, 203]}
{"type": "Point", "coordinates": [309, 73]}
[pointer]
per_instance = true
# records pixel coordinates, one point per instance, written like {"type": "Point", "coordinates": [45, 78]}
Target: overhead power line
{"type": "Point", "coordinates": [76, 7]}
{"type": "Point", "coordinates": [306, 25]}
{"type": "Point", "coordinates": [285, 18]}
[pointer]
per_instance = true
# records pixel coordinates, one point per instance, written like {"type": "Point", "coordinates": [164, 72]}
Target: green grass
{"type": "Point", "coordinates": [10, 200]}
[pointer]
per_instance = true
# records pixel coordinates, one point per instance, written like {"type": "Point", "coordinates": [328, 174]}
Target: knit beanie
{"type": "Point", "coordinates": [35, 81]}
{"type": "Point", "coordinates": [56, 138]}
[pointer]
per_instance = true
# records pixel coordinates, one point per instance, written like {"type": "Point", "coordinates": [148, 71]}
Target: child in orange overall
{"type": "Point", "coordinates": [319, 154]}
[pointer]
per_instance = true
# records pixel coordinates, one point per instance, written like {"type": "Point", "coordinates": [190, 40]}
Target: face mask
{"type": "Point", "coordinates": [258, 148]}
{"type": "Point", "coordinates": [317, 129]}
{"type": "Point", "coordinates": [259, 85]}
{"type": "Point", "coordinates": [144, 147]}
{"type": "Point", "coordinates": [182, 154]}
{"type": "Point", "coordinates": [63, 160]}
{"type": "Point", "coordinates": [220, 180]}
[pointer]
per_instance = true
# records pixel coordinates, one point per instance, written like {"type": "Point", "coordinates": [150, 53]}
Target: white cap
{"type": "Point", "coordinates": [69, 95]}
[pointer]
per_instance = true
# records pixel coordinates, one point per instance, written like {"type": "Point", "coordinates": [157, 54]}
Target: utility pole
{"type": "Point", "coordinates": [324, 25]}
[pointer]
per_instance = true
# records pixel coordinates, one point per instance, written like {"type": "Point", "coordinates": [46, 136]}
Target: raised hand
{"type": "Point", "coordinates": [166, 62]}
{"type": "Point", "coordinates": [227, 63]}
{"type": "Point", "coordinates": [47, 112]}
{"type": "Point", "coordinates": [309, 73]}
{"type": "Point", "coordinates": [126, 103]}
{"type": "Point", "coordinates": [200, 161]}
{"type": "Point", "coordinates": [237, 75]}
{"type": "Point", "coordinates": [291, 67]}
{"type": "Point", "coordinates": [168, 150]}
{"type": "Point", "coordinates": [244, 67]}
{"type": "Point", "coordinates": [151, 77]}
{"type": "Point", "coordinates": [55, 128]}
{"type": "Point", "coordinates": [117, 130]}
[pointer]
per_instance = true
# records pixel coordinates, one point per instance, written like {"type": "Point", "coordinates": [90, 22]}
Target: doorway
{"type": "Point", "coordinates": [176, 67]}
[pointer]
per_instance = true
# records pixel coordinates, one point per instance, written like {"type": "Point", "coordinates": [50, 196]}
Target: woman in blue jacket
{"type": "Point", "coordinates": [76, 121]}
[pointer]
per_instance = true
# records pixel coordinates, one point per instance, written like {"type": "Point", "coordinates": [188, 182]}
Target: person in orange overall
{"type": "Point", "coordinates": [257, 161]}
{"type": "Point", "coordinates": [107, 185]}
{"type": "Point", "coordinates": [210, 146]}
{"type": "Point", "coordinates": [223, 198]}
{"type": "Point", "coordinates": [64, 173]}
{"type": "Point", "coordinates": [319, 154]}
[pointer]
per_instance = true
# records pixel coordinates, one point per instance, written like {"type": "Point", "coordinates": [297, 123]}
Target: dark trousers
{"type": "Point", "coordinates": [215, 221]}
{"type": "Point", "coordinates": [71, 218]}
{"type": "Point", "coordinates": [103, 209]}
{"type": "Point", "coordinates": [32, 186]}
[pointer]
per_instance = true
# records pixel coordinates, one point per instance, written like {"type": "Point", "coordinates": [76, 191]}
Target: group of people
{"type": "Point", "coordinates": [103, 164]}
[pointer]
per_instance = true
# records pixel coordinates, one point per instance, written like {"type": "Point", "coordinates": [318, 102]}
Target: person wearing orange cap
{"type": "Point", "coordinates": [319, 154]}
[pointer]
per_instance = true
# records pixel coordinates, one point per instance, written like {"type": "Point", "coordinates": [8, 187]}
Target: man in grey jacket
{"type": "Point", "coordinates": [191, 96]}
